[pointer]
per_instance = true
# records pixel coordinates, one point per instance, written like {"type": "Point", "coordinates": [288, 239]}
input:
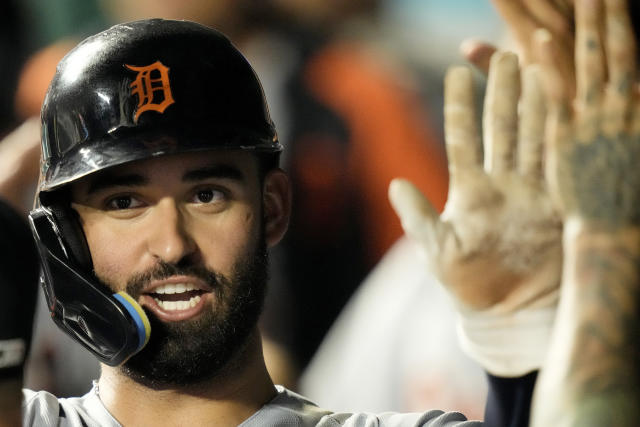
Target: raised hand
{"type": "Point", "coordinates": [594, 142]}
{"type": "Point", "coordinates": [19, 163]}
{"type": "Point", "coordinates": [496, 247]}
{"type": "Point", "coordinates": [523, 18]}
{"type": "Point", "coordinates": [591, 376]}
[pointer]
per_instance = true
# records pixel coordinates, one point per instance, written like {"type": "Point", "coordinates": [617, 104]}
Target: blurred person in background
{"type": "Point", "coordinates": [355, 121]}
{"type": "Point", "coordinates": [13, 44]}
{"type": "Point", "coordinates": [394, 346]}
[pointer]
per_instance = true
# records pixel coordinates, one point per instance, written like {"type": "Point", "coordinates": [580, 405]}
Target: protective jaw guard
{"type": "Point", "coordinates": [111, 326]}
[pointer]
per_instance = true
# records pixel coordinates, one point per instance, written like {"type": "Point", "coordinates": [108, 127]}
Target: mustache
{"type": "Point", "coordinates": [164, 270]}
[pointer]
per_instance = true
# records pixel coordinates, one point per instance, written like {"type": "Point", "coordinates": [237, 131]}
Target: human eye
{"type": "Point", "coordinates": [122, 202]}
{"type": "Point", "coordinates": [208, 195]}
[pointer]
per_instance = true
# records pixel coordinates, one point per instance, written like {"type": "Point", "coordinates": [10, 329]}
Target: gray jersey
{"type": "Point", "coordinates": [286, 409]}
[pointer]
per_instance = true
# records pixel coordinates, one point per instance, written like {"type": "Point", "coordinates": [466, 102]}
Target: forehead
{"type": "Point", "coordinates": [236, 164]}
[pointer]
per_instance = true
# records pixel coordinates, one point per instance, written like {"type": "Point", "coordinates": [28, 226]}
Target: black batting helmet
{"type": "Point", "coordinates": [149, 88]}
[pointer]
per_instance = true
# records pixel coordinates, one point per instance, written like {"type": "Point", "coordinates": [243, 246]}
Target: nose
{"type": "Point", "coordinates": [169, 239]}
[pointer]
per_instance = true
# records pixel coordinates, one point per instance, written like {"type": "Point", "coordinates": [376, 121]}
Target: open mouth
{"type": "Point", "coordinates": [178, 296]}
{"type": "Point", "coordinates": [176, 301]}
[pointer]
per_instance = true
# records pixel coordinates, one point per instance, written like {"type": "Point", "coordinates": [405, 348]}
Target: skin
{"type": "Point", "coordinates": [591, 375]}
{"type": "Point", "coordinates": [19, 157]}
{"type": "Point", "coordinates": [497, 243]}
{"type": "Point", "coordinates": [523, 18]}
{"type": "Point", "coordinates": [130, 228]}
{"type": "Point", "coordinates": [591, 378]}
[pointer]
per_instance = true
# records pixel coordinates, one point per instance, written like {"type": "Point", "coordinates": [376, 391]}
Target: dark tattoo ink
{"type": "Point", "coordinates": [605, 364]}
{"type": "Point", "coordinates": [624, 86]}
{"type": "Point", "coordinates": [604, 180]}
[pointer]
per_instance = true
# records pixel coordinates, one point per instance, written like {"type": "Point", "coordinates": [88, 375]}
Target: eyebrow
{"type": "Point", "coordinates": [215, 171]}
{"type": "Point", "coordinates": [108, 180]}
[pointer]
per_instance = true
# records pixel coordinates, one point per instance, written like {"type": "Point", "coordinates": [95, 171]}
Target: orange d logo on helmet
{"type": "Point", "coordinates": [152, 88]}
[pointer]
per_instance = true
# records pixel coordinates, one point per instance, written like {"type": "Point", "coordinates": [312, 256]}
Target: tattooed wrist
{"type": "Point", "coordinates": [580, 233]}
{"type": "Point", "coordinates": [601, 297]}
{"type": "Point", "coordinates": [604, 179]}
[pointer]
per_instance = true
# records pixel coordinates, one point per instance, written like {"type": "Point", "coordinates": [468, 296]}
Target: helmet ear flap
{"type": "Point", "coordinates": [68, 222]}
{"type": "Point", "coordinates": [112, 326]}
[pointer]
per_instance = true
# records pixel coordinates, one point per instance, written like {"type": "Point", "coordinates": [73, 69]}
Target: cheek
{"type": "Point", "coordinates": [227, 239]}
{"type": "Point", "coordinates": [113, 255]}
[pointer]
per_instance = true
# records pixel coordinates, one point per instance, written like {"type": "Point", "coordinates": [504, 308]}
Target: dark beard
{"type": "Point", "coordinates": [196, 351]}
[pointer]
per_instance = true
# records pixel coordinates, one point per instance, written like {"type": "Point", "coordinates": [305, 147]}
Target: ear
{"type": "Point", "coordinates": [276, 199]}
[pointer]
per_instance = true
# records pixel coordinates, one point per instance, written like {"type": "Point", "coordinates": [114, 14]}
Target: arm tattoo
{"type": "Point", "coordinates": [606, 180]}
{"type": "Point", "coordinates": [604, 364]}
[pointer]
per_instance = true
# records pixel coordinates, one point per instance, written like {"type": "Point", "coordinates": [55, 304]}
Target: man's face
{"type": "Point", "coordinates": [183, 235]}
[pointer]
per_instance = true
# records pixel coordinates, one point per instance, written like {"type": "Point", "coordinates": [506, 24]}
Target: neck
{"type": "Point", "coordinates": [227, 400]}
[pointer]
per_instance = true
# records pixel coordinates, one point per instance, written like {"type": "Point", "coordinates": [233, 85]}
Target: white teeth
{"type": "Point", "coordinates": [177, 288]}
{"type": "Point", "coordinates": [178, 305]}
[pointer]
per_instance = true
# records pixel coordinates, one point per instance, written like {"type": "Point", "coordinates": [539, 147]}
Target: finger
{"type": "Point", "coordinates": [531, 124]}
{"type": "Point", "coordinates": [520, 23]}
{"type": "Point", "coordinates": [557, 17]}
{"type": "Point", "coordinates": [558, 100]}
{"type": "Point", "coordinates": [558, 124]}
{"type": "Point", "coordinates": [418, 217]}
{"type": "Point", "coordinates": [460, 127]}
{"type": "Point", "coordinates": [621, 53]}
{"type": "Point", "coordinates": [553, 83]}
{"type": "Point", "coordinates": [589, 67]}
{"type": "Point", "coordinates": [564, 54]}
{"type": "Point", "coordinates": [500, 120]}
{"type": "Point", "coordinates": [549, 14]}
{"type": "Point", "coordinates": [478, 53]}
{"type": "Point", "coordinates": [565, 7]}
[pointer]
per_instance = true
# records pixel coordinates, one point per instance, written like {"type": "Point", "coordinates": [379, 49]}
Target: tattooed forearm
{"type": "Point", "coordinates": [598, 362]}
{"type": "Point", "coordinates": [606, 305]}
{"type": "Point", "coordinates": [591, 377]}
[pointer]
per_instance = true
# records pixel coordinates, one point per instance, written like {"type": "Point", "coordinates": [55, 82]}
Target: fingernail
{"type": "Point", "coordinates": [395, 184]}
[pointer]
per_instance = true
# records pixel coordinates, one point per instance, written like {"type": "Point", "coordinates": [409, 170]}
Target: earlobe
{"type": "Point", "coordinates": [276, 198]}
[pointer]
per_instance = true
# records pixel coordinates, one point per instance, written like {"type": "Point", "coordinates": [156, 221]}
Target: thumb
{"type": "Point", "coordinates": [416, 213]}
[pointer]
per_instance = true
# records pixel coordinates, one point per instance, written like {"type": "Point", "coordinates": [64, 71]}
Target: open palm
{"type": "Point", "coordinates": [497, 245]}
